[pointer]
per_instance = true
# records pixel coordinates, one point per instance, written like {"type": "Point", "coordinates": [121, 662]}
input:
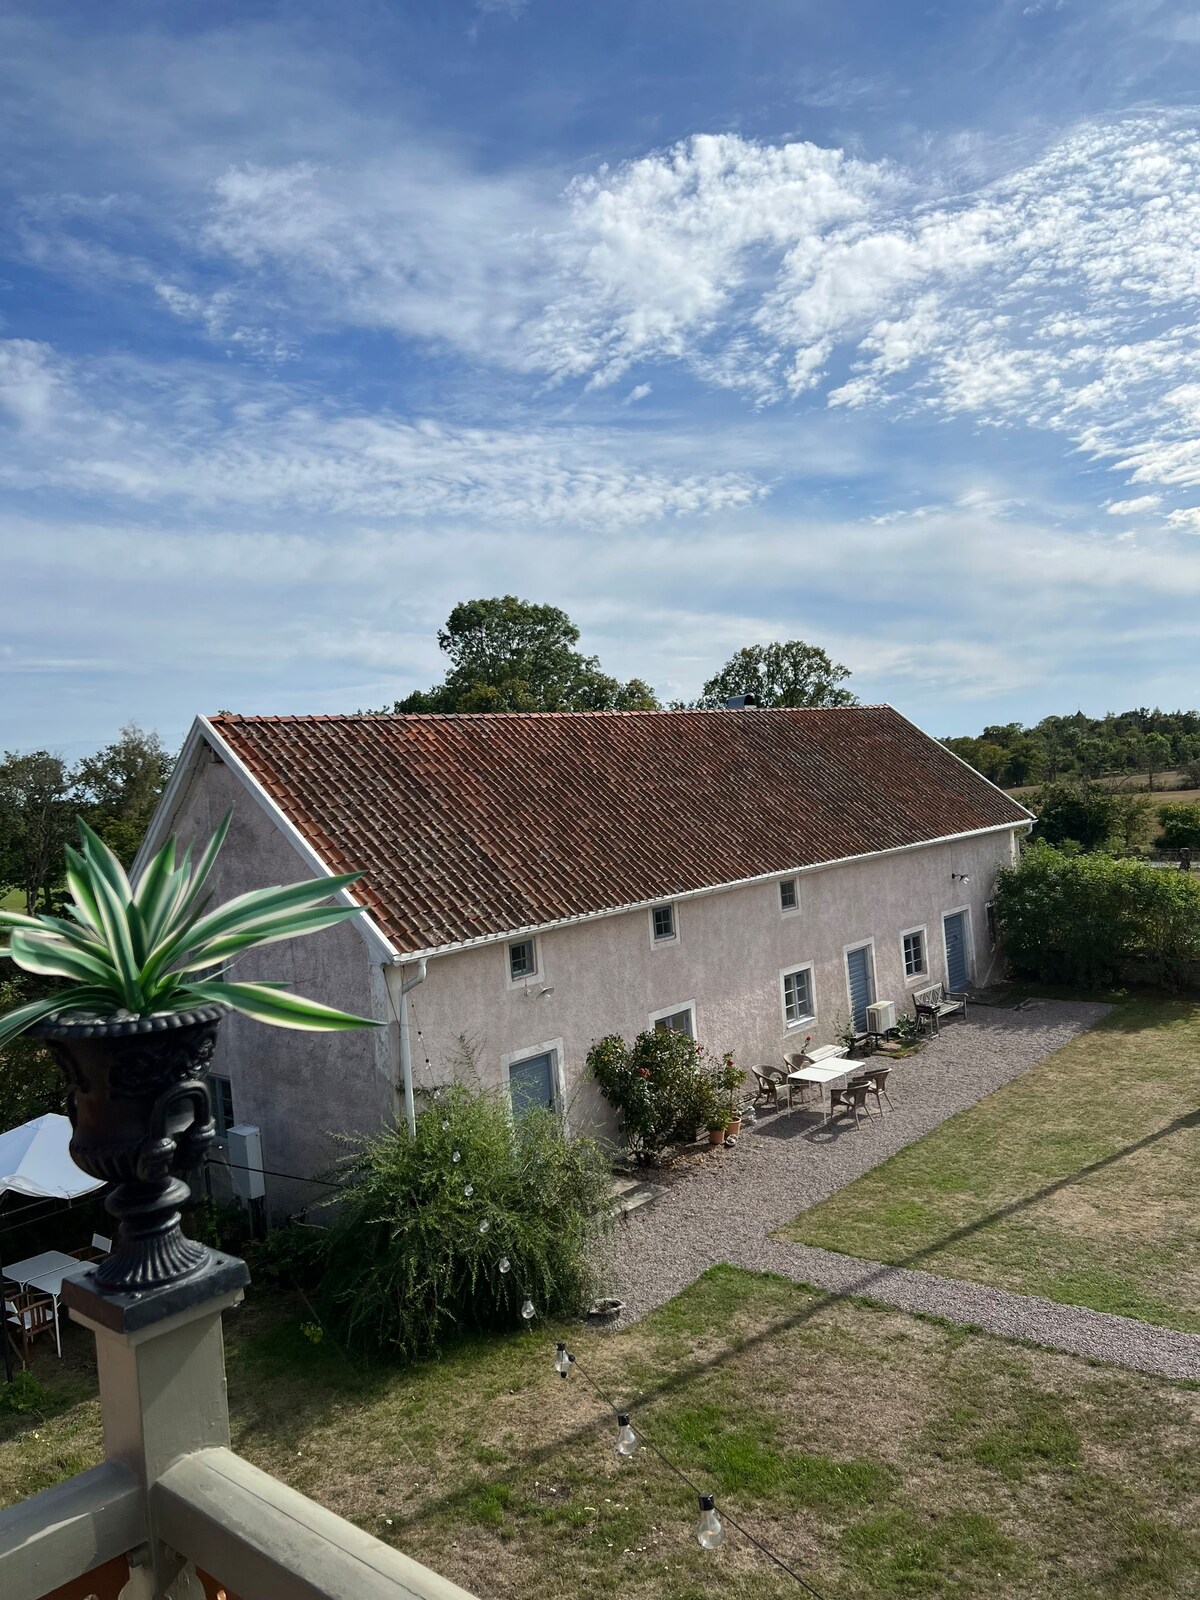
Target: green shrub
{"type": "Point", "coordinates": [414, 1259]}
{"type": "Point", "coordinates": [24, 1395]}
{"type": "Point", "coordinates": [1180, 826]}
{"type": "Point", "coordinates": [1079, 919]}
{"type": "Point", "coordinates": [661, 1086]}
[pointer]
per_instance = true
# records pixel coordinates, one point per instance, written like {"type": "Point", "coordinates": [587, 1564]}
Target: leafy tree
{"type": "Point", "coordinates": [508, 654]}
{"type": "Point", "coordinates": [1155, 752]}
{"type": "Point", "coordinates": [787, 673]}
{"type": "Point", "coordinates": [1180, 826]}
{"type": "Point", "coordinates": [36, 821]}
{"type": "Point", "coordinates": [1079, 813]}
{"type": "Point", "coordinates": [119, 787]}
{"type": "Point", "coordinates": [30, 1082]}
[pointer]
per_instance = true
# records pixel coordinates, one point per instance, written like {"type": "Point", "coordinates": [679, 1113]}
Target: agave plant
{"type": "Point", "coordinates": [139, 951]}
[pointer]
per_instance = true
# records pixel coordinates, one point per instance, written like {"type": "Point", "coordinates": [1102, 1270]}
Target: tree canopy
{"type": "Point", "coordinates": [507, 654]}
{"type": "Point", "coordinates": [787, 673]}
{"type": "Point", "coordinates": [1077, 746]}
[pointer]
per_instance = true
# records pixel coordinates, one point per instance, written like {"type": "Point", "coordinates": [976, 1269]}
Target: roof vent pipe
{"type": "Point", "coordinates": [740, 702]}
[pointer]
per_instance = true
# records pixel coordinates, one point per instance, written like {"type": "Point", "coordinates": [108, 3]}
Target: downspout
{"type": "Point", "coordinates": [406, 1074]}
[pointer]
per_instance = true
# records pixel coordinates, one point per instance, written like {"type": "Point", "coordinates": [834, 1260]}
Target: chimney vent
{"type": "Point", "coordinates": [740, 702]}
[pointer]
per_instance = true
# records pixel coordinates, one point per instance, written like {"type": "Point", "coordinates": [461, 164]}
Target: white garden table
{"type": "Point", "coordinates": [44, 1272]}
{"type": "Point", "coordinates": [821, 1073]}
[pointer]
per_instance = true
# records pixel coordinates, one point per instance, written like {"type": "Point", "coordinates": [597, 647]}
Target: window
{"type": "Point", "coordinates": [531, 1083]}
{"type": "Point", "coordinates": [915, 964]}
{"type": "Point", "coordinates": [663, 921]}
{"type": "Point", "coordinates": [677, 1021]}
{"type": "Point", "coordinates": [798, 997]}
{"type": "Point", "coordinates": [222, 1098]}
{"type": "Point", "coordinates": [522, 960]}
{"type": "Point", "coordinates": [789, 895]}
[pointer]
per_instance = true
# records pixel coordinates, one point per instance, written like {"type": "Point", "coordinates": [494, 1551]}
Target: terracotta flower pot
{"type": "Point", "coordinates": [735, 1127]}
{"type": "Point", "coordinates": [716, 1136]}
{"type": "Point", "coordinates": [140, 1117]}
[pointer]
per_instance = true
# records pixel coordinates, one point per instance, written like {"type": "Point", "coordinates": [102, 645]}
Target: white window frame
{"type": "Point", "coordinates": [526, 977]}
{"type": "Point", "coordinates": [670, 939]}
{"type": "Point", "coordinates": [549, 1047]}
{"type": "Point", "coordinates": [671, 1011]}
{"type": "Point", "coordinates": [789, 911]}
{"type": "Point", "coordinates": [222, 1077]}
{"type": "Point", "coordinates": [916, 977]}
{"type": "Point", "coordinates": [847, 951]}
{"type": "Point", "coordinates": [784, 974]}
{"type": "Point", "coordinates": [955, 911]}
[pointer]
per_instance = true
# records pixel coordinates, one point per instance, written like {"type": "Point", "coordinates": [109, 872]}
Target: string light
{"type": "Point", "coordinates": [562, 1361]}
{"type": "Point", "coordinates": [710, 1532]}
{"type": "Point", "coordinates": [627, 1440]}
{"type": "Point", "coordinates": [456, 1157]}
{"type": "Point", "coordinates": [527, 1310]}
{"type": "Point", "coordinates": [505, 1264]}
{"type": "Point", "coordinates": [469, 1190]}
{"type": "Point", "coordinates": [484, 1225]}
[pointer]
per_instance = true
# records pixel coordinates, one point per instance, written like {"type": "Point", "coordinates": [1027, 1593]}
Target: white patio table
{"type": "Point", "coordinates": [44, 1272]}
{"type": "Point", "coordinates": [821, 1073]}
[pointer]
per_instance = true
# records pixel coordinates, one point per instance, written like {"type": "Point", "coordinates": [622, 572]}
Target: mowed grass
{"type": "Point", "coordinates": [879, 1454]}
{"type": "Point", "coordinates": [1079, 1181]}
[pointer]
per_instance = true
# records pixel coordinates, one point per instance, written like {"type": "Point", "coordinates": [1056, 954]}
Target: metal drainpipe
{"type": "Point", "coordinates": [410, 1110]}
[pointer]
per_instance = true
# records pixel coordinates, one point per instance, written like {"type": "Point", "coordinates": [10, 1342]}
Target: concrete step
{"type": "Point", "coordinates": [631, 1194]}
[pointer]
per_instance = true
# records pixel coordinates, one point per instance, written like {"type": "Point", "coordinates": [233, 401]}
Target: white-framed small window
{"type": "Point", "coordinates": [535, 1078]}
{"type": "Point", "coordinates": [799, 997]}
{"type": "Point", "coordinates": [789, 895]}
{"type": "Point", "coordinates": [522, 960]}
{"type": "Point", "coordinates": [222, 1104]}
{"type": "Point", "coordinates": [680, 1018]}
{"type": "Point", "coordinates": [664, 927]}
{"type": "Point", "coordinates": [915, 950]}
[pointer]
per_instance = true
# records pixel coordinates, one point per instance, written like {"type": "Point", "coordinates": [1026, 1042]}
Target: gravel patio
{"type": "Point", "coordinates": [722, 1207]}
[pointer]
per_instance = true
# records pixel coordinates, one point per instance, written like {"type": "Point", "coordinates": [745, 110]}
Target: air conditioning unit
{"type": "Point", "coordinates": [881, 1017]}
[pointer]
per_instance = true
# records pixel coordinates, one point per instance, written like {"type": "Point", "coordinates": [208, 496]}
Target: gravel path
{"type": "Point", "coordinates": [722, 1208]}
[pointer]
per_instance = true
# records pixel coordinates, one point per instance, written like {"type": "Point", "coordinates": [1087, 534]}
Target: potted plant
{"type": "Point", "coordinates": [716, 1125]}
{"type": "Point", "coordinates": [730, 1078]}
{"type": "Point", "coordinates": [134, 1026]}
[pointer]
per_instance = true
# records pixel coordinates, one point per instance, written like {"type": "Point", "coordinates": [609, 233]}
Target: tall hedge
{"type": "Point", "coordinates": [1083, 919]}
{"type": "Point", "coordinates": [1180, 826]}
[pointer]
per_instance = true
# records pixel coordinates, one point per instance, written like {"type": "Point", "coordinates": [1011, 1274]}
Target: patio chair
{"type": "Point", "coordinates": [876, 1081]}
{"type": "Point", "coordinates": [99, 1248]}
{"type": "Point", "coordinates": [772, 1082]}
{"type": "Point", "coordinates": [936, 1002]}
{"type": "Point", "coordinates": [29, 1313]}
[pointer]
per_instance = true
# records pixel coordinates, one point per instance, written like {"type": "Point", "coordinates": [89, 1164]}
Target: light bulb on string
{"type": "Point", "coordinates": [562, 1361]}
{"type": "Point", "coordinates": [469, 1190]}
{"type": "Point", "coordinates": [627, 1440]}
{"type": "Point", "coordinates": [445, 1124]}
{"type": "Point", "coordinates": [484, 1225]}
{"type": "Point", "coordinates": [456, 1157]}
{"type": "Point", "coordinates": [505, 1264]}
{"type": "Point", "coordinates": [709, 1531]}
{"type": "Point", "coordinates": [528, 1311]}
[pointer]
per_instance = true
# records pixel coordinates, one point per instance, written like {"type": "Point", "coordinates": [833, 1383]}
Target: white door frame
{"type": "Point", "coordinates": [847, 951]}
{"type": "Point", "coordinates": [969, 935]}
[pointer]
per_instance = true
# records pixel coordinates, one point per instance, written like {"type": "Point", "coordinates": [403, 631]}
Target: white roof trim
{"type": "Point", "coordinates": [695, 894]}
{"type": "Point", "coordinates": [202, 735]}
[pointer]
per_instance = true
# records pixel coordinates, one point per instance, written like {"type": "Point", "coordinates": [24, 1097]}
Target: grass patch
{"type": "Point", "coordinates": [881, 1454]}
{"type": "Point", "coordinates": [1080, 1181]}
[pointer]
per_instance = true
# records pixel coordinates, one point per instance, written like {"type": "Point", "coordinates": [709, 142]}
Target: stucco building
{"type": "Point", "coordinates": [533, 882]}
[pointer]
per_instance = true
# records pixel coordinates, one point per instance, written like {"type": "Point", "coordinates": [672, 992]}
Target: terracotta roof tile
{"type": "Point", "coordinates": [474, 825]}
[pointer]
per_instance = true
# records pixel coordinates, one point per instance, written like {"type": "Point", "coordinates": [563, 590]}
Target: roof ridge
{"type": "Point", "coordinates": [224, 718]}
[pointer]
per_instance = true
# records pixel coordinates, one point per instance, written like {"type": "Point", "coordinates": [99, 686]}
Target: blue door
{"type": "Point", "coordinates": [862, 990]}
{"type": "Point", "coordinates": [958, 962]}
{"type": "Point", "coordinates": [531, 1083]}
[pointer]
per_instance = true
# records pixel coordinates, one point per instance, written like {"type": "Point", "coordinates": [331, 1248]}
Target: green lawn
{"type": "Point", "coordinates": [1080, 1181]}
{"type": "Point", "coordinates": [883, 1454]}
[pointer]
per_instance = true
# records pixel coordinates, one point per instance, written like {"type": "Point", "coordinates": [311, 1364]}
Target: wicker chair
{"type": "Point", "coordinates": [772, 1085]}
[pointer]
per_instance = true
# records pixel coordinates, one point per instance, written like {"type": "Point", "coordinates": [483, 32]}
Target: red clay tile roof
{"type": "Point", "coordinates": [474, 825]}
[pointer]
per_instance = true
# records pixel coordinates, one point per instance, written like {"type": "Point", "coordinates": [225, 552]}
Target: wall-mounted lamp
{"type": "Point", "coordinates": [960, 877]}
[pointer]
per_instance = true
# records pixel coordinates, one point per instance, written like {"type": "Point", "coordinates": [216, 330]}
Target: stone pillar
{"type": "Point", "coordinates": [161, 1362]}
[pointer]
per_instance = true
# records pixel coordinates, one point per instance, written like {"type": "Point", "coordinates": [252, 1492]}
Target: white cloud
{"type": "Point", "coordinates": [1134, 507]}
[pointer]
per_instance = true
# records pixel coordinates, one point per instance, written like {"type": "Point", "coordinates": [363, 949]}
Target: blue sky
{"type": "Point", "coordinates": [872, 324]}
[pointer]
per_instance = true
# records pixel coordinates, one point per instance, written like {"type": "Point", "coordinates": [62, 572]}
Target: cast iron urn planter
{"type": "Point", "coordinates": [140, 1118]}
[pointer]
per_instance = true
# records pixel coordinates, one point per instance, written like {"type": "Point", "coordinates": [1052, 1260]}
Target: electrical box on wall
{"type": "Point", "coordinates": [245, 1162]}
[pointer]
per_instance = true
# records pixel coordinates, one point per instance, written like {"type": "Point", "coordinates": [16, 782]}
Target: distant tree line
{"type": "Point", "coordinates": [1135, 743]}
{"type": "Point", "coordinates": [507, 654]}
{"type": "Point", "coordinates": [41, 795]}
